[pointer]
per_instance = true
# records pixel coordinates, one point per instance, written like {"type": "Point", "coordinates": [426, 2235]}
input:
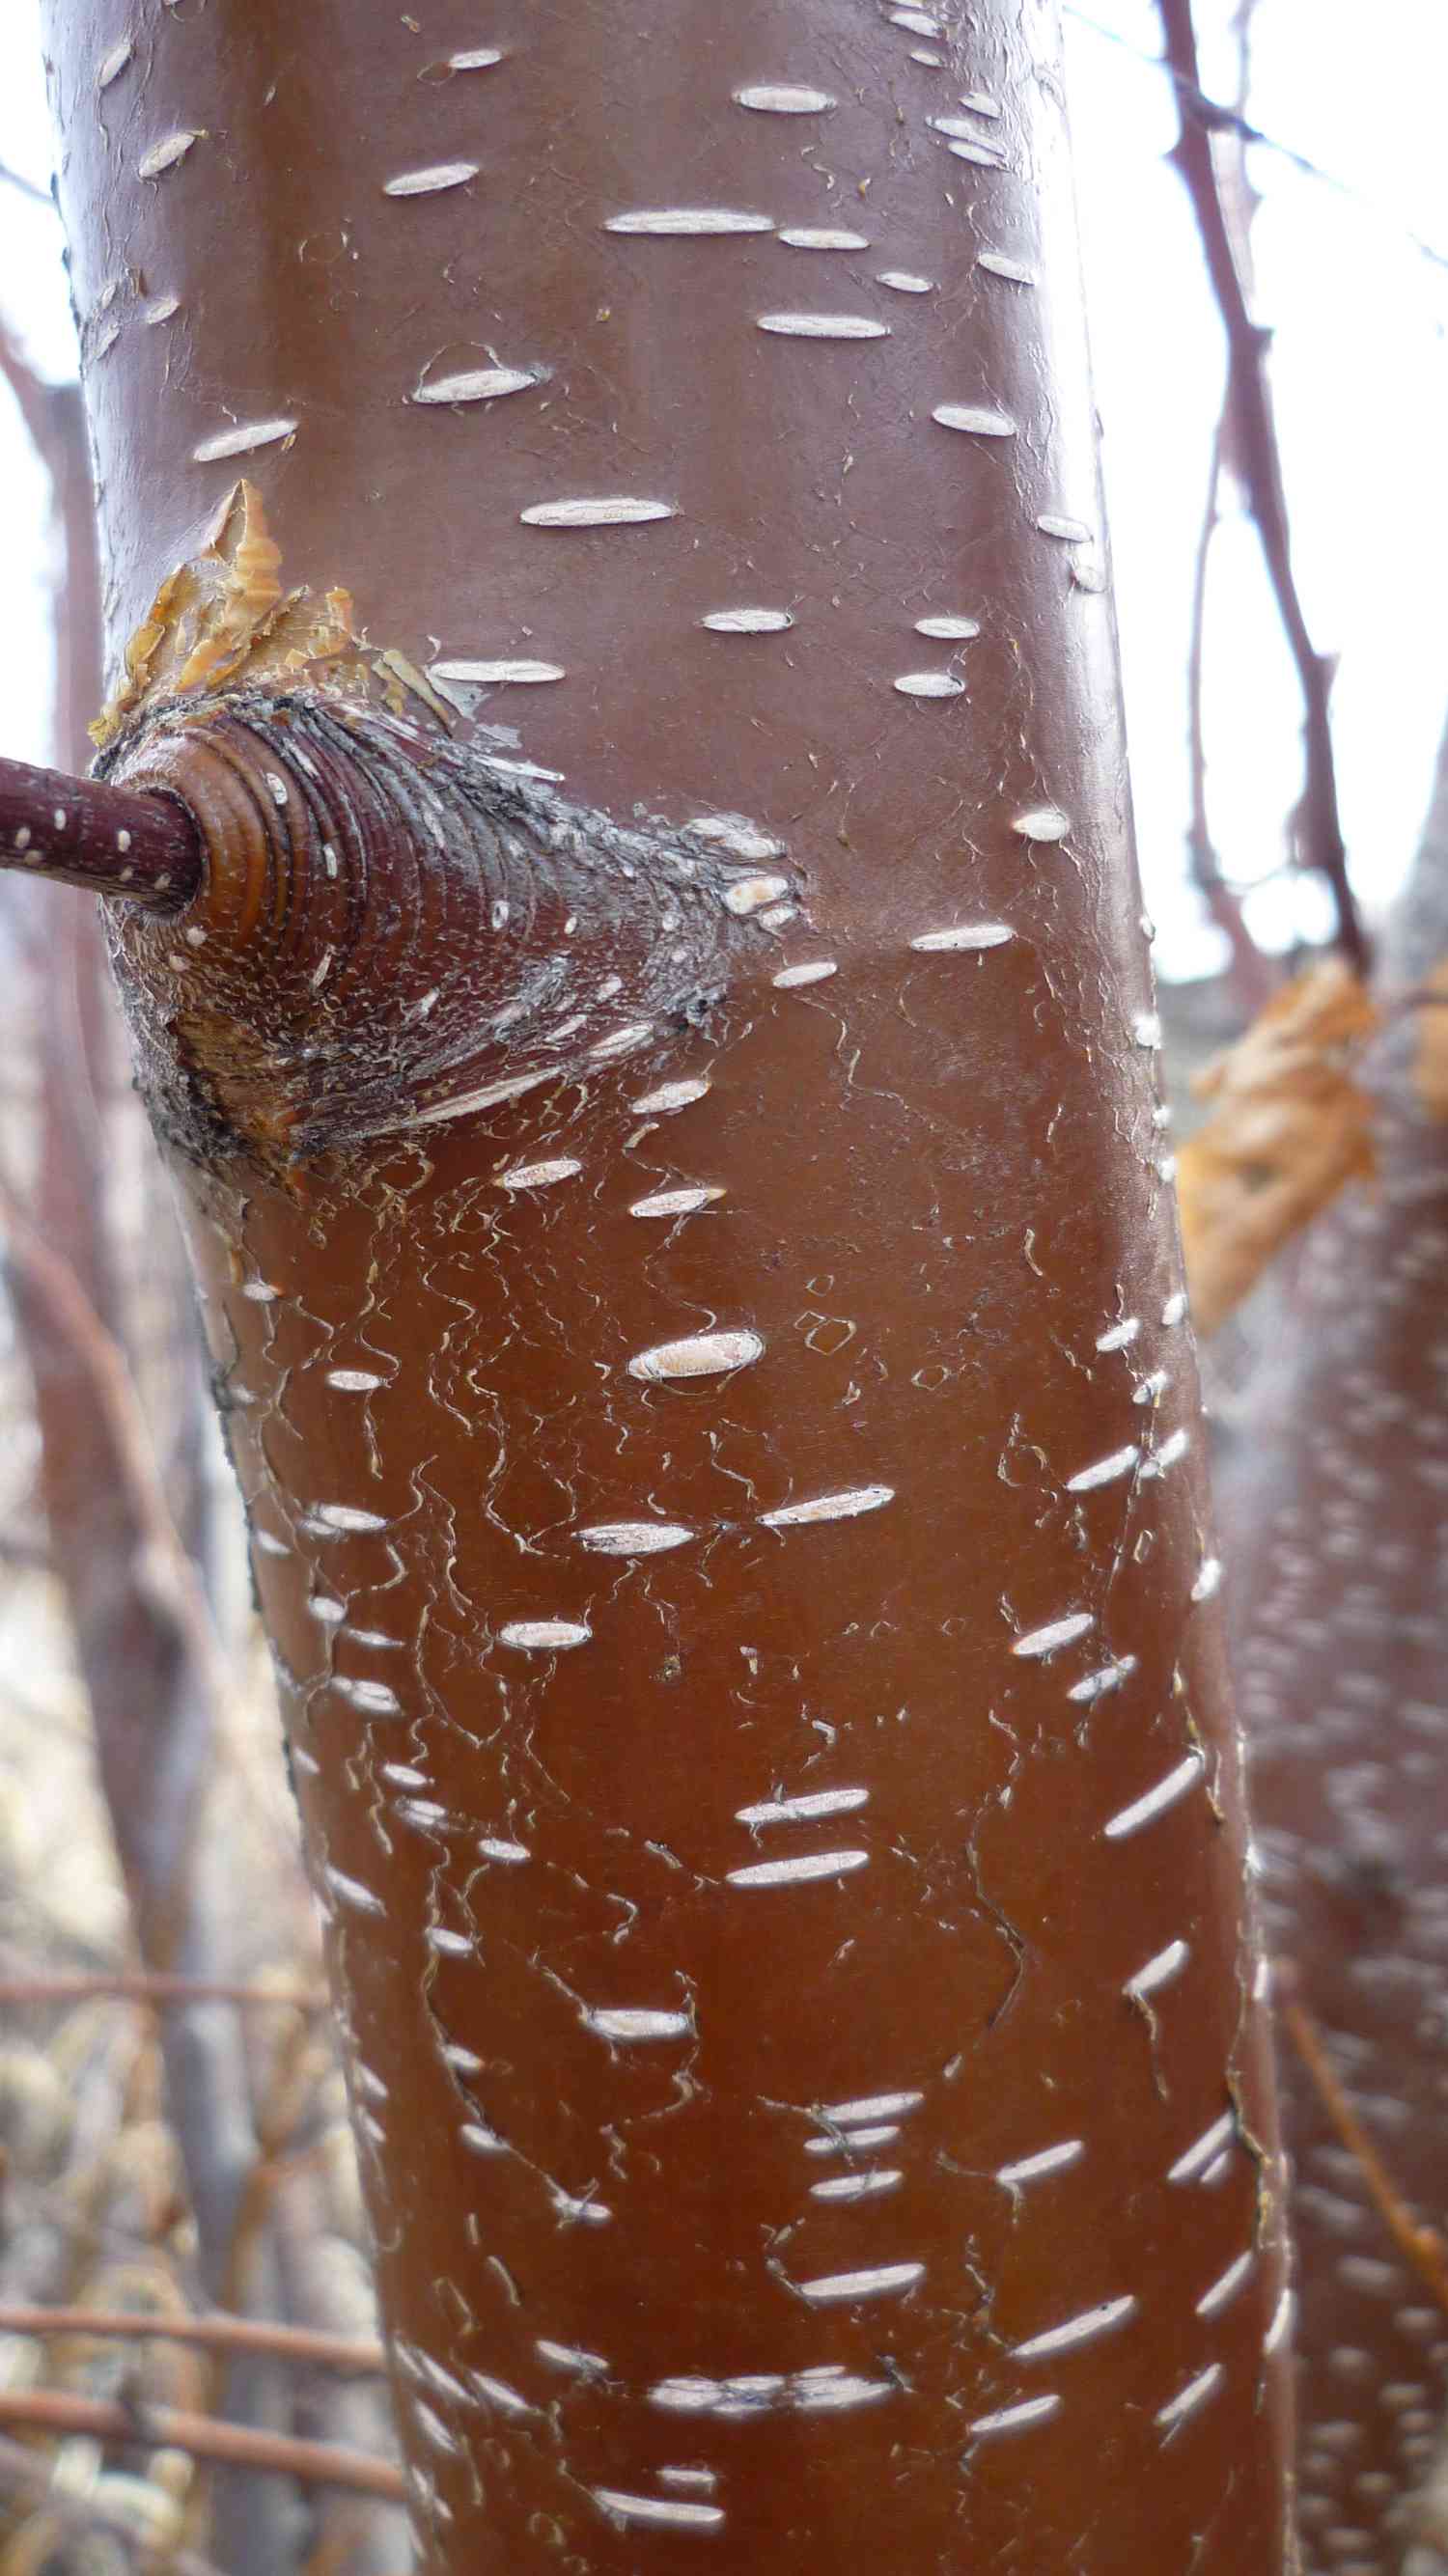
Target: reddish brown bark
{"type": "Point", "coordinates": [77, 831]}
{"type": "Point", "coordinates": [729, 1518]}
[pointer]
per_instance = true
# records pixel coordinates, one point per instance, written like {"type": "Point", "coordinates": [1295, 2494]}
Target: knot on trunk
{"type": "Point", "coordinates": [392, 928]}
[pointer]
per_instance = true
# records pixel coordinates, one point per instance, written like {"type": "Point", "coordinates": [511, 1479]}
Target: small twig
{"type": "Point", "coordinates": [16, 179]}
{"type": "Point", "coordinates": [158, 1989]}
{"type": "Point", "coordinates": [1221, 119]}
{"type": "Point", "coordinates": [35, 395]}
{"type": "Point", "coordinates": [277, 2121]}
{"type": "Point", "coordinates": [1257, 458]}
{"type": "Point", "coordinates": [1251, 974]}
{"type": "Point", "coordinates": [73, 1313]}
{"type": "Point", "coordinates": [1413, 997]}
{"type": "Point", "coordinates": [25, 2473]}
{"type": "Point", "coordinates": [300, 2344]}
{"type": "Point", "coordinates": [168, 2428]}
{"type": "Point", "coordinates": [144, 850]}
{"type": "Point", "coordinates": [1422, 2247]}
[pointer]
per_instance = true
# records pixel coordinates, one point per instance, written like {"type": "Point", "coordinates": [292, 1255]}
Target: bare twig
{"type": "Point", "coordinates": [169, 2428]}
{"type": "Point", "coordinates": [292, 2080]}
{"type": "Point", "coordinates": [1251, 975]}
{"type": "Point", "coordinates": [27, 187]}
{"type": "Point", "coordinates": [1220, 119]}
{"type": "Point", "coordinates": [299, 2344]}
{"type": "Point", "coordinates": [1256, 456]}
{"type": "Point", "coordinates": [105, 1365]}
{"type": "Point", "coordinates": [26, 2473]}
{"type": "Point", "coordinates": [1421, 2246]}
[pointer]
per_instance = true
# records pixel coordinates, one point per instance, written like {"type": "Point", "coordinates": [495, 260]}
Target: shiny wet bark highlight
{"type": "Point", "coordinates": [730, 1518]}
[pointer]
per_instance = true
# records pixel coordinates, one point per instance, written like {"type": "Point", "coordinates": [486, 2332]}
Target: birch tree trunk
{"type": "Point", "coordinates": [1336, 1524]}
{"type": "Point", "coordinates": [678, 1194]}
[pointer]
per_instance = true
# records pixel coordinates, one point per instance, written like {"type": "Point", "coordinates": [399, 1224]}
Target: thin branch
{"type": "Point", "coordinates": [26, 2473]}
{"type": "Point", "coordinates": [1251, 974]}
{"type": "Point", "coordinates": [169, 2428]}
{"type": "Point", "coordinates": [27, 187]}
{"type": "Point", "coordinates": [32, 392]}
{"type": "Point", "coordinates": [1240, 195]}
{"type": "Point", "coordinates": [105, 1365]}
{"type": "Point", "coordinates": [1422, 2247]}
{"type": "Point", "coordinates": [1256, 456]}
{"type": "Point", "coordinates": [77, 831]}
{"type": "Point", "coordinates": [1228, 120]}
{"type": "Point", "coordinates": [293, 2080]}
{"type": "Point", "coordinates": [299, 2344]}
{"type": "Point", "coordinates": [158, 1988]}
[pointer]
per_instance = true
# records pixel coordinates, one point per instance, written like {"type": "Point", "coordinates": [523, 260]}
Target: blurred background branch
{"type": "Point", "coordinates": [237, 2124]}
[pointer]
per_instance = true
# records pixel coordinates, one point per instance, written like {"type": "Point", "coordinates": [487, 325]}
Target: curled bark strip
{"type": "Point", "coordinates": [392, 929]}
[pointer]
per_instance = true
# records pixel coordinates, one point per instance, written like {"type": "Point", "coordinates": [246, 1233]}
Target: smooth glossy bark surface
{"type": "Point", "coordinates": [731, 1519]}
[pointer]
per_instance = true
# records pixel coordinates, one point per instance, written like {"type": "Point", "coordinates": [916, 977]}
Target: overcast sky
{"type": "Point", "coordinates": [1360, 372]}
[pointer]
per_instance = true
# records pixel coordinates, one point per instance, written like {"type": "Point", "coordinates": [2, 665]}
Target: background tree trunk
{"type": "Point", "coordinates": [729, 1518]}
{"type": "Point", "coordinates": [151, 1674]}
{"type": "Point", "coordinates": [1334, 1509]}
{"type": "Point", "coordinates": [151, 1695]}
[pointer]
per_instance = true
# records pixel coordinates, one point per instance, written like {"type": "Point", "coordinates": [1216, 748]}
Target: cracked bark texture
{"type": "Point", "coordinates": [731, 1517]}
{"type": "Point", "coordinates": [1338, 1574]}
